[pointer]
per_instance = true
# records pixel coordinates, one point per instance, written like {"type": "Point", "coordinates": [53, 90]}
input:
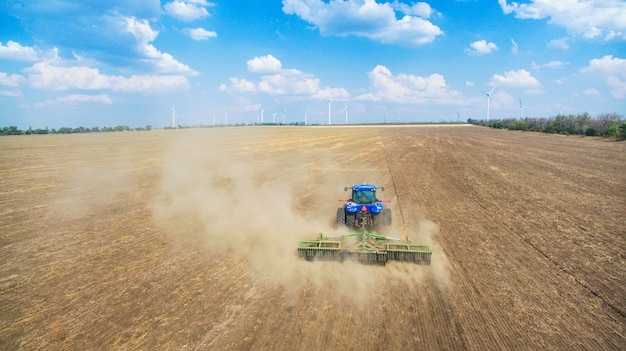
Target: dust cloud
{"type": "Point", "coordinates": [254, 207]}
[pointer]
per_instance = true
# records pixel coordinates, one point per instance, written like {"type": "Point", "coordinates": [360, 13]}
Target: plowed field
{"type": "Point", "coordinates": [185, 240]}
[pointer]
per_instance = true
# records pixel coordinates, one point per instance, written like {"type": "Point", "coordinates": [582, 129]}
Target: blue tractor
{"type": "Point", "coordinates": [363, 209]}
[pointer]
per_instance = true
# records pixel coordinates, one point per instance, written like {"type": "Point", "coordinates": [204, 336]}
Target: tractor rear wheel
{"type": "Point", "coordinates": [386, 216]}
{"type": "Point", "coordinates": [350, 220]}
{"type": "Point", "coordinates": [341, 216]}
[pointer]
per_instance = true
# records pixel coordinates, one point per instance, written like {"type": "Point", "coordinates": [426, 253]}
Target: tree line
{"type": "Point", "coordinates": [13, 130]}
{"type": "Point", "coordinates": [608, 125]}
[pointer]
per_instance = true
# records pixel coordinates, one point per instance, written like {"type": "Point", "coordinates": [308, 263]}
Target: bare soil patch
{"type": "Point", "coordinates": [186, 240]}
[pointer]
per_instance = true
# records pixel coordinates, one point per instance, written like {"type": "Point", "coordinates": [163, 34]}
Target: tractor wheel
{"type": "Point", "coordinates": [350, 219]}
{"type": "Point", "coordinates": [386, 216]}
{"type": "Point", "coordinates": [341, 216]}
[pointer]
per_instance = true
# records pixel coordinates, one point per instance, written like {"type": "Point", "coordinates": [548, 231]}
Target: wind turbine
{"type": "Point", "coordinates": [262, 110]}
{"type": "Point", "coordinates": [330, 102]}
{"type": "Point", "coordinates": [521, 108]}
{"type": "Point", "coordinates": [173, 118]}
{"type": "Point", "coordinates": [283, 111]}
{"type": "Point", "coordinates": [274, 117]}
{"type": "Point", "coordinates": [345, 109]}
{"type": "Point", "coordinates": [306, 114]}
{"type": "Point", "coordinates": [489, 99]}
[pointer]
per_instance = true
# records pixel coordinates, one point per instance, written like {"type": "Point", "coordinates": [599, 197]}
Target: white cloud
{"type": "Point", "coordinates": [15, 51]}
{"type": "Point", "coordinates": [10, 93]}
{"type": "Point", "coordinates": [239, 85]}
{"type": "Point", "coordinates": [82, 98]}
{"type": "Point", "coordinates": [200, 33]}
{"type": "Point", "coordinates": [520, 78]}
{"type": "Point", "coordinates": [161, 62]}
{"type": "Point", "coordinates": [73, 99]}
{"type": "Point", "coordinates": [559, 44]}
{"type": "Point", "coordinates": [264, 64]}
{"type": "Point", "coordinates": [612, 70]}
{"type": "Point", "coordinates": [366, 18]}
{"type": "Point", "coordinates": [276, 80]}
{"type": "Point", "coordinates": [551, 64]}
{"type": "Point", "coordinates": [52, 75]}
{"type": "Point", "coordinates": [12, 81]}
{"type": "Point", "coordinates": [591, 92]}
{"type": "Point", "coordinates": [481, 47]}
{"type": "Point", "coordinates": [420, 9]}
{"type": "Point", "coordinates": [149, 83]}
{"type": "Point", "coordinates": [587, 18]}
{"type": "Point", "coordinates": [406, 88]}
{"type": "Point", "coordinates": [188, 10]}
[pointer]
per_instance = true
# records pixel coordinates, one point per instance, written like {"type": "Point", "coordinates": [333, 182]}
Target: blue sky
{"type": "Point", "coordinates": [118, 62]}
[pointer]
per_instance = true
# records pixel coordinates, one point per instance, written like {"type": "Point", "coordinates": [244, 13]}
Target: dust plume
{"type": "Point", "coordinates": [255, 207]}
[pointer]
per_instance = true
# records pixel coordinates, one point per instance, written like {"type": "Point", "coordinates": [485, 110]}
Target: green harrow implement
{"type": "Point", "coordinates": [363, 247]}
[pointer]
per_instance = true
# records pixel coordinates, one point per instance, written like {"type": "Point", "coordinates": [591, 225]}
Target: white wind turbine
{"type": "Point", "coordinates": [330, 102]}
{"type": "Point", "coordinates": [173, 118]}
{"type": "Point", "coordinates": [262, 110]}
{"type": "Point", "coordinates": [283, 114]}
{"type": "Point", "coordinates": [274, 117]}
{"type": "Point", "coordinates": [489, 99]}
{"type": "Point", "coordinates": [306, 113]}
{"type": "Point", "coordinates": [521, 108]}
{"type": "Point", "coordinates": [345, 109]}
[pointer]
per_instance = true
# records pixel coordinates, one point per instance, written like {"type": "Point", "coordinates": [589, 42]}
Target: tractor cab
{"type": "Point", "coordinates": [363, 194]}
{"type": "Point", "coordinates": [363, 208]}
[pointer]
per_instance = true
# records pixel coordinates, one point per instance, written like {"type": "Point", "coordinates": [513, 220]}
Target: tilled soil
{"type": "Point", "coordinates": [185, 240]}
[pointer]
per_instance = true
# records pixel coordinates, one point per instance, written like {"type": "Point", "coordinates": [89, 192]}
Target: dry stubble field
{"type": "Point", "coordinates": [185, 240]}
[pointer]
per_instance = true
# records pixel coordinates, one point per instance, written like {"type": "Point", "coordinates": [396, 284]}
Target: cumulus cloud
{"type": "Point", "coordinates": [406, 88]}
{"type": "Point", "coordinates": [481, 47]}
{"type": "Point", "coordinates": [264, 64]}
{"type": "Point", "coordinates": [612, 70]}
{"type": "Point", "coordinates": [188, 10]}
{"type": "Point", "coordinates": [200, 33]}
{"type": "Point", "coordinates": [56, 75]}
{"type": "Point", "coordinates": [587, 18]}
{"type": "Point", "coordinates": [520, 78]}
{"type": "Point", "coordinates": [277, 80]}
{"type": "Point", "coordinates": [13, 50]}
{"type": "Point", "coordinates": [12, 81]}
{"type": "Point", "coordinates": [161, 62]}
{"type": "Point", "coordinates": [421, 9]}
{"type": "Point", "coordinates": [367, 18]}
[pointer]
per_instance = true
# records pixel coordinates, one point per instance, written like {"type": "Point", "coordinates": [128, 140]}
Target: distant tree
{"type": "Point", "coordinates": [622, 131]}
{"type": "Point", "coordinates": [11, 130]}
